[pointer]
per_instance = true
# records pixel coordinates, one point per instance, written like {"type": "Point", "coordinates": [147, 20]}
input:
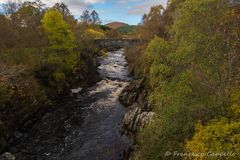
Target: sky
{"type": "Point", "coordinates": [128, 11]}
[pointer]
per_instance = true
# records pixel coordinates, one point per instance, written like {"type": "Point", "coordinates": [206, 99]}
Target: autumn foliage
{"type": "Point", "coordinates": [192, 65]}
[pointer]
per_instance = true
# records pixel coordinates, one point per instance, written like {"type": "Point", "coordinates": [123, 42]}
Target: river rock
{"type": "Point", "coordinates": [135, 119]}
{"type": "Point", "coordinates": [76, 90]}
{"type": "Point", "coordinates": [134, 97]}
{"type": "Point", "coordinates": [7, 156]}
{"type": "Point", "coordinates": [134, 92]}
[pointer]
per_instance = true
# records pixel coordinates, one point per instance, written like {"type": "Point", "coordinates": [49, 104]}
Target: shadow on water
{"type": "Point", "coordinates": [86, 127]}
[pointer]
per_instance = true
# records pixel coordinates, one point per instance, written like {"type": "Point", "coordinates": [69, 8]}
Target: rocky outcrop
{"type": "Point", "coordinates": [134, 97]}
{"type": "Point", "coordinates": [135, 119]}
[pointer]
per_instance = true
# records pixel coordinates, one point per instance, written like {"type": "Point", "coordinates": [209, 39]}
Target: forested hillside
{"type": "Point", "coordinates": [190, 60]}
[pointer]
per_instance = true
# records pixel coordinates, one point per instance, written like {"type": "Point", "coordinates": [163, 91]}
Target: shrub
{"type": "Point", "coordinates": [218, 137]}
{"type": "Point", "coordinates": [93, 34]}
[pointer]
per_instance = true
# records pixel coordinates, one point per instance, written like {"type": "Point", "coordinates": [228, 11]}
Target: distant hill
{"type": "Point", "coordinates": [116, 25]}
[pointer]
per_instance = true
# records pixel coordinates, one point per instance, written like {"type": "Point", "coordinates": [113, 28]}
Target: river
{"type": "Point", "coordinates": [86, 127]}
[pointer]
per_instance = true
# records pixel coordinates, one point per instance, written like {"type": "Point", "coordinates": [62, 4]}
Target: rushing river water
{"type": "Point", "coordinates": [86, 127]}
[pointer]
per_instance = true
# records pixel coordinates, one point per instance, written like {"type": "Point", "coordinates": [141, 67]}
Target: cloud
{"type": "Point", "coordinates": [65, 1]}
{"type": "Point", "coordinates": [127, 1]}
{"type": "Point", "coordinates": [144, 6]}
{"type": "Point", "coordinates": [94, 1]}
{"type": "Point", "coordinates": [76, 6]}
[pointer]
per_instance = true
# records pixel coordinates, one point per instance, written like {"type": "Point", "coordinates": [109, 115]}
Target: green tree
{"type": "Point", "coordinates": [60, 36]}
{"type": "Point", "coordinates": [61, 58]}
{"type": "Point", "coordinates": [158, 62]}
{"type": "Point", "coordinates": [67, 16]}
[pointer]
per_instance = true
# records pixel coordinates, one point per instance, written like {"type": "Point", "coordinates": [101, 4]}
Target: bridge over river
{"type": "Point", "coordinates": [116, 43]}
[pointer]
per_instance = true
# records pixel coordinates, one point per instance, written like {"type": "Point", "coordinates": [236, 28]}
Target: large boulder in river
{"type": "Point", "coordinates": [134, 97]}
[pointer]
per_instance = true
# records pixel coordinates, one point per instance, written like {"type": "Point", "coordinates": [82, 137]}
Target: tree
{"type": "Point", "coordinates": [39, 4]}
{"type": "Point", "coordinates": [27, 16]}
{"type": "Point", "coordinates": [65, 12]}
{"type": "Point", "coordinates": [156, 62]}
{"type": "Point", "coordinates": [144, 18]}
{"type": "Point", "coordinates": [219, 136]}
{"type": "Point", "coordinates": [11, 7]}
{"type": "Point", "coordinates": [171, 14]}
{"type": "Point", "coordinates": [90, 18]}
{"type": "Point", "coordinates": [86, 17]}
{"type": "Point", "coordinates": [8, 35]}
{"type": "Point", "coordinates": [152, 24]}
{"type": "Point", "coordinates": [62, 8]}
{"type": "Point", "coordinates": [59, 34]}
{"type": "Point", "coordinates": [61, 58]}
{"type": "Point", "coordinates": [26, 21]}
{"type": "Point", "coordinates": [95, 17]}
